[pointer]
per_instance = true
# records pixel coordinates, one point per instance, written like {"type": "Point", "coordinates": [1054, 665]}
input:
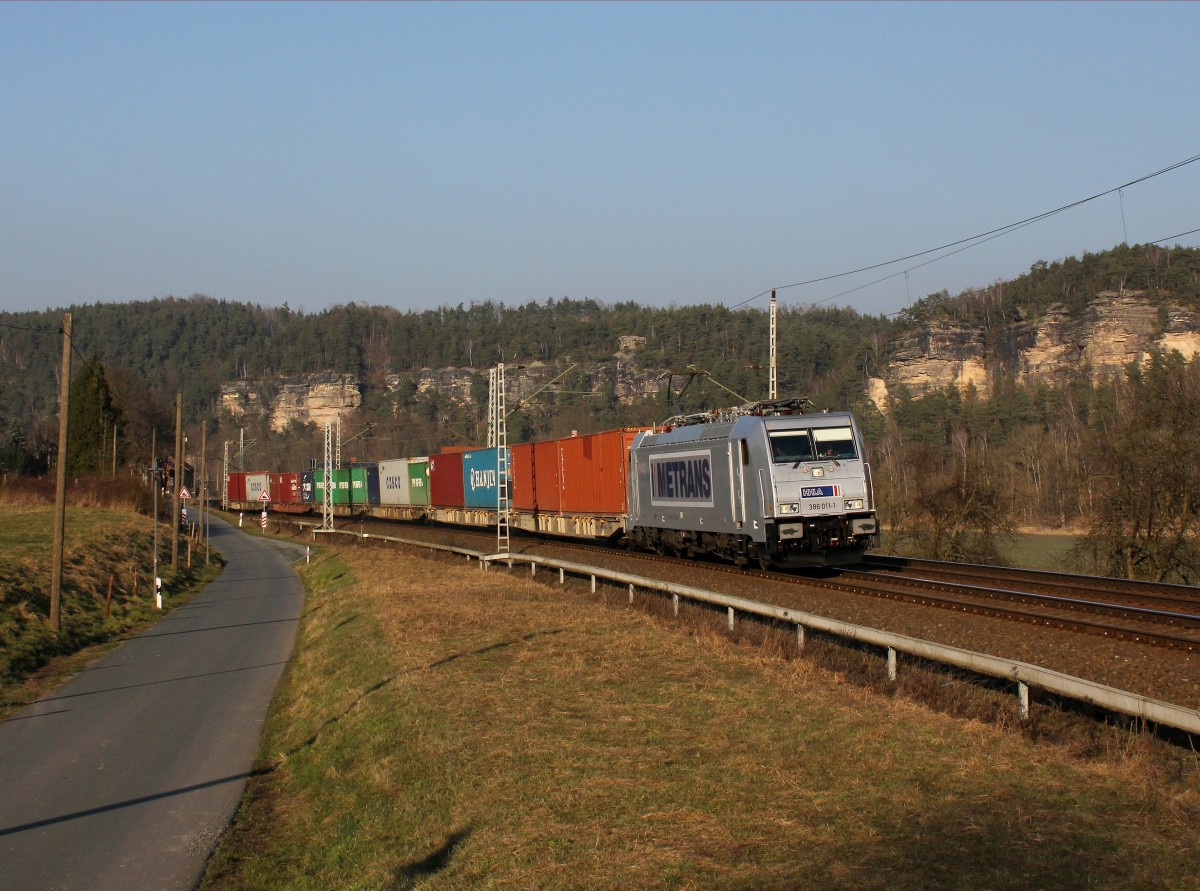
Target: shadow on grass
{"type": "Point", "coordinates": [374, 688]}
{"type": "Point", "coordinates": [407, 875]}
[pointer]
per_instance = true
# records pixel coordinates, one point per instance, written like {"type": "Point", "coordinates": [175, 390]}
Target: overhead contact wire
{"type": "Point", "coordinates": [972, 240]}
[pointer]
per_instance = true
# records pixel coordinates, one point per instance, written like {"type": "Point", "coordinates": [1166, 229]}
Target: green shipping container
{"type": "Point", "coordinates": [358, 485]}
{"type": "Point", "coordinates": [418, 481]}
{"type": "Point", "coordinates": [341, 487]}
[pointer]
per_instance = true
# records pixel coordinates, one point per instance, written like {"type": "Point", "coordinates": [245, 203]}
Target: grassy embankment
{"type": "Point", "coordinates": [106, 541]}
{"type": "Point", "coordinates": [442, 727]}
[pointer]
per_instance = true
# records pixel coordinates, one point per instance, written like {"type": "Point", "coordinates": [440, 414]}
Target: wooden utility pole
{"type": "Point", "coordinates": [155, 485]}
{"type": "Point", "coordinates": [178, 480]}
{"type": "Point", "coordinates": [203, 487]}
{"type": "Point", "coordinates": [60, 478]}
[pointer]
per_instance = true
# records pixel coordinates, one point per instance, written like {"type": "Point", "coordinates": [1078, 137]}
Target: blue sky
{"type": "Point", "coordinates": [416, 155]}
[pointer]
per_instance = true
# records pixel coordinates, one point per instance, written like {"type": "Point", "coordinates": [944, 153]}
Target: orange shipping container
{"type": "Point", "coordinates": [547, 467]}
{"type": "Point", "coordinates": [521, 473]}
{"type": "Point", "coordinates": [584, 475]}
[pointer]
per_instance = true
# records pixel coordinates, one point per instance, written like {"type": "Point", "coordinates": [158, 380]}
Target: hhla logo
{"type": "Point", "coordinates": [483, 479]}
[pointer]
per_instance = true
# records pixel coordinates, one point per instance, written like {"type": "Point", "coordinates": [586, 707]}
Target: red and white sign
{"type": "Point", "coordinates": [263, 521]}
{"type": "Point", "coordinates": [184, 493]}
{"type": "Point", "coordinates": [265, 496]}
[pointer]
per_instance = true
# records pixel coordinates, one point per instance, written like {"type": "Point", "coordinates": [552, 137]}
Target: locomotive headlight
{"type": "Point", "coordinates": [854, 504]}
{"type": "Point", "coordinates": [818, 471]}
{"type": "Point", "coordinates": [792, 508]}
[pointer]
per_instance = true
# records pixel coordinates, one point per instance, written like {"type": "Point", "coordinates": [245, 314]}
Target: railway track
{"type": "Point", "coordinates": [1137, 612]}
{"type": "Point", "coordinates": [1151, 595]}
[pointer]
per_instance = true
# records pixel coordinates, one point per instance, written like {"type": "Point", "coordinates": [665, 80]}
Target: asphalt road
{"type": "Point", "coordinates": [127, 775]}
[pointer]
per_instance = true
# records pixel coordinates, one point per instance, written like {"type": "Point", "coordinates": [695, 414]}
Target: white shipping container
{"type": "Point", "coordinates": [393, 482]}
{"type": "Point", "coordinates": [256, 484]}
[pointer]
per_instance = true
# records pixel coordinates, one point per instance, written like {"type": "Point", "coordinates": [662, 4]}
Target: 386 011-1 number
{"type": "Point", "coordinates": [820, 505]}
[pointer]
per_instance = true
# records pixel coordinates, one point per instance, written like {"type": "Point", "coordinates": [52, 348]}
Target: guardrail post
{"type": "Point", "coordinates": [800, 637]}
{"type": "Point", "coordinates": [1023, 700]}
{"type": "Point", "coordinates": [731, 618]}
{"type": "Point", "coordinates": [593, 583]}
{"type": "Point", "coordinates": [631, 592]}
{"type": "Point", "coordinates": [891, 663]}
{"type": "Point", "coordinates": [562, 576]}
{"type": "Point", "coordinates": [532, 570]}
{"type": "Point", "coordinates": [675, 603]}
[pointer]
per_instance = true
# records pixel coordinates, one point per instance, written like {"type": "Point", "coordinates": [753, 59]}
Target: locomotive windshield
{"type": "Point", "coordinates": [791, 446]}
{"type": "Point", "coordinates": [820, 444]}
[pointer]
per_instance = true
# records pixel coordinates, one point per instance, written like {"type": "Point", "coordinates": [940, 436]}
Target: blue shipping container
{"type": "Point", "coordinates": [479, 478]}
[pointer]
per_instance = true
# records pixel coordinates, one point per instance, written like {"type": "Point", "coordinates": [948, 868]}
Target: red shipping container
{"type": "Point", "coordinates": [446, 479]}
{"type": "Point", "coordinates": [235, 489]}
{"type": "Point", "coordinates": [285, 488]}
{"type": "Point", "coordinates": [521, 473]}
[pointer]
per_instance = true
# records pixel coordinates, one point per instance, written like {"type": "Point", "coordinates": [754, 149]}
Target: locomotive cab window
{"type": "Point", "coordinates": [835, 442]}
{"type": "Point", "coordinates": [790, 446]}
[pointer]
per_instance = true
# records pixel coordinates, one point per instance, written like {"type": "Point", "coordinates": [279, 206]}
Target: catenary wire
{"type": "Point", "coordinates": [971, 240]}
{"type": "Point", "coordinates": [1177, 235]}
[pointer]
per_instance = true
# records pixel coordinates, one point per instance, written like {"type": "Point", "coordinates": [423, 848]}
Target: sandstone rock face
{"type": "Point", "coordinates": [944, 355]}
{"type": "Point", "coordinates": [317, 398]}
{"type": "Point", "coordinates": [309, 398]}
{"type": "Point", "coordinates": [1114, 330]}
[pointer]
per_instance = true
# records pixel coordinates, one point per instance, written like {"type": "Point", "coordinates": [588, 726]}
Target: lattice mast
{"type": "Point", "coordinates": [327, 482]}
{"type": "Point", "coordinates": [500, 427]}
{"type": "Point", "coordinates": [773, 385]}
{"type": "Point", "coordinates": [491, 430]}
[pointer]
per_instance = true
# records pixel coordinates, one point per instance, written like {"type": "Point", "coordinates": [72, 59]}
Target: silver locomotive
{"type": "Point", "coordinates": [769, 483]}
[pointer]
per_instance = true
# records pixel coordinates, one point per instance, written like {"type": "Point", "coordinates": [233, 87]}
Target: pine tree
{"type": "Point", "coordinates": [93, 417]}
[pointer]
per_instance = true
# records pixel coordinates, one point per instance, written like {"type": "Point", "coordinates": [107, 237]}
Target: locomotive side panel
{"type": "Point", "coordinates": [690, 493]}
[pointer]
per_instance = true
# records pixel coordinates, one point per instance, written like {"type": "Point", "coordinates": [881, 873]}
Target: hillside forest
{"type": "Point", "coordinates": [1117, 460]}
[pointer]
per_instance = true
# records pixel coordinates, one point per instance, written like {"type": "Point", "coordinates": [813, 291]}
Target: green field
{"type": "Point", "coordinates": [441, 727]}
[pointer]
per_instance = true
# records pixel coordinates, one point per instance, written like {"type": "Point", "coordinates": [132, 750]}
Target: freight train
{"type": "Point", "coordinates": [770, 483]}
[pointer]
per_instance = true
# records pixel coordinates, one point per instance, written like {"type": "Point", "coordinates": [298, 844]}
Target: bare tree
{"type": "Point", "coordinates": [1148, 509]}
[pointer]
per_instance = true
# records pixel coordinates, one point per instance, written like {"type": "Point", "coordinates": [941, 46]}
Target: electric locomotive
{"type": "Point", "coordinates": [766, 483]}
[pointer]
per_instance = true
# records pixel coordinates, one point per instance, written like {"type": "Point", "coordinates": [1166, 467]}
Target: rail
{"type": "Point", "coordinates": [1024, 675]}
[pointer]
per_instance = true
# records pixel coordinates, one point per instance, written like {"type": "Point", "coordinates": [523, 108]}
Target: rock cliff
{"type": "Point", "coordinates": [1113, 330]}
{"type": "Point", "coordinates": [307, 399]}
{"type": "Point", "coordinates": [317, 398]}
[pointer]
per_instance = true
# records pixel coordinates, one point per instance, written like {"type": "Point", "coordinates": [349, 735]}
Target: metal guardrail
{"type": "Point", "coordinates": [1023, 674]}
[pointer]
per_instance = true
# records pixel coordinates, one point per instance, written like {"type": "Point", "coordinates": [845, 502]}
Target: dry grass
{"type": "Point", "coordinates": [442, 727]}
{"type": "Point", "coordinates": [120, 493]}
{"type": "Point", "coordinates": [103, 547]}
